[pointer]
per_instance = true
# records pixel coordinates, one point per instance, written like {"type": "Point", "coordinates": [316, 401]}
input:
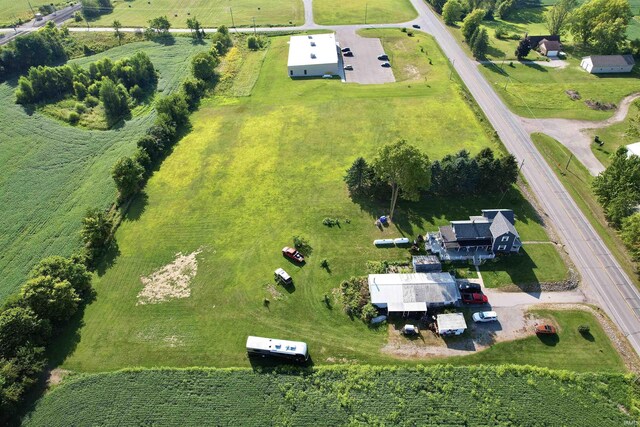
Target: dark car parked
{"type": "Point", "coordinates": [383, 57]}
{"type": "Point", "coordinates": [469, 287]}
{"type": "Point", "coordinates": [345, 49]}
{"type": "Point", "coordinates": [348, 53]}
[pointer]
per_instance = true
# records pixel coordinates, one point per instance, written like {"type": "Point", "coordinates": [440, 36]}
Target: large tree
{"type": "Point", "coordinates": [20, 325]}
{"type": "Point", "coordinates": [50, 298]}
{"type": "Point", "coordinates": [116, 27]}
{"type": "Point", "coordinates": [451, 12]}
{"type": "Point", "coordinates": [96, 232]}
{"type": "Point", "coordinates": [359, 177]}
{"type": "Point", "coordinates": [618, 187]}
{"type": "Point", "coordinates": [115, 100]}
{"type": "Point", "coordinates": [631, 234]}
{"type": "Point", "coordinates": [70, 269]}
{"type": "Point", "coordinates": [160, 25]}
{"type": "Point", "coordinates": [557, 16]}
{"type": "Point", "coordinates": [471, 22]}
{"type": "Point", "coordinates": [128, 176]}
{"type": "Point", "coordinates": [203, 66]}
{"type": "Point", "coordinates": [405, 168]}
{"type": "Point", "coordinates": [602, 23]}
{"type": "Point", "coordinates": [480, 43]}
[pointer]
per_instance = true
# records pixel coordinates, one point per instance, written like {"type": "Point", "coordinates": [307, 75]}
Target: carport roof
{"type": "Point", "coordinates": [316, 49]}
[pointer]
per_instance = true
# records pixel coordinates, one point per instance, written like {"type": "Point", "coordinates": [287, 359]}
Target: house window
{"type": "Point", "coordinates": [515, 248]}
{"type": "Point", "coordinates": [505, 239]}
{"type": "Point", "coordinates": [502, 247]}
{"type": "Point", "coordinates": [291, 72]}
{"type": "Point", "coordinates": [305, 72]}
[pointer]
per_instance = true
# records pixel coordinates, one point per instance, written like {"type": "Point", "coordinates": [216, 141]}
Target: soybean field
{"type": "Point", "coordinates": [52, 173]}
{"type": "Point", "coordinates": [341, 395]}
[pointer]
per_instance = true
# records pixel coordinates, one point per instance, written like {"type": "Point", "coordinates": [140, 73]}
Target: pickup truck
{"type": "Point", "coordinates": [474, 298]}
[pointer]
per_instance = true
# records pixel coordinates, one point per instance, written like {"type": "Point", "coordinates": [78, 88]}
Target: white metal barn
{"type": "Point", "coordinates": [414, 292]}
{"type": "Point", "coordinates": [451, 324]}
{"type": "Point", "coordinates": [313, 55]}
{"type": "Point", "coordinates": [603, 64]}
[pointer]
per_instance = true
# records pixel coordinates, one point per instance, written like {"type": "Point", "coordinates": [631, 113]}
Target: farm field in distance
{"type": "Point", "coordinates": [53, 172]}
{"type": "Point", "coordinates": [341, 395]}
{"type": "Point", "coordinates": [253, 172]}
{"type": "Point", "coordinates": [335, 12]}
{"type": "Point", "coordinates": [12, 11]}
{"type": "Point", "coordinates": [210, 13]}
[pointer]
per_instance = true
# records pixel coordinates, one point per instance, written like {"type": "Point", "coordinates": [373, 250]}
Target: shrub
{"type": "Point", "coordinates": [91, 101]}
{"type": "Point", "coordinates": [324, 263]}
{"type": "Point", "coordinates": [136, 93]}
{"type": "Point", "coordinates": [253, 43]}
{"type": "Point", "coordinates": [369, 311]}
{"type": "Point", "coordinates": [73, 117]}
{"type": "Point", "coordinates": [80, 90]}
{"type": "Point", "coordinates": [404, 30]}
{"type": "Point", "coordinates": [300, 243]}
{"type": "Point", "coordinates": [203, 66]}
{"type": "Point", "coordinates": [330, 222]}
{"type": "Point", "coordinates": [354, 295]}
{"type": "Point", "coordinates": [501, 33]}
{"type": "Point", "coordinates": [71, 269]}
{"type": "Point", "coordinates": [94, 89]}
{"type": "Point", "coordinates": [80, 107]}
{"type": "Point", "coordinates": [584, 329]}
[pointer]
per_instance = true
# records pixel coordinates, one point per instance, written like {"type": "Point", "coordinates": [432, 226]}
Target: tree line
{"type": "Point", "coordinates": [402, 170]}
{"type": "Point", "coordinates": [116, 84]}
{"type": "Point", "coordinates": [618, 191]}
{"type": "Point", "coordinates": [30, 321]}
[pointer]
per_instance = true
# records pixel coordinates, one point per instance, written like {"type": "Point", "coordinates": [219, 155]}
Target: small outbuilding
{"type": "Point", "coordinates": [633, 149]}
{"type": "Point", "coordinates": [549, 47]}
{"type": "Point", "coordinates": [426, 264]}
{"type": "Point", "coordinates": [451, 324]}
{"type": "Point", "coordinates": [606, 64]}
{"type": "Point", "coordinates": [413, 293]}
{"type": "Point", "coordinates": [313, 55]}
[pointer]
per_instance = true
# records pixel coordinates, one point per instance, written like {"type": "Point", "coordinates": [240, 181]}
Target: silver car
{"type": "Point", "coordinates": [485, 316]}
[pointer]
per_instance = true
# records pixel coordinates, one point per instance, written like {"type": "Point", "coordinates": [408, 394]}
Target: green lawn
{"type": "Point", "coordinates": [210, 13]}
{"type": "Point", "coordinates": [255, 171]}
{"type": "Point", "coordinates": [577, 180]}
{"type": "Point", "coordinates": [336, 12]}
{"type": "Point", "coordinates": [568, 350]}
{"type": "Point", "coordinates": [614, 136]}
{"type": "Point", "coordinates": [536, 263]}
{"type": "Point", "coordinates": [537, 91]}
{"type": "Point", "coordinates": [52, 173]}
{"type": "Point", "coordinates": [342, 395]}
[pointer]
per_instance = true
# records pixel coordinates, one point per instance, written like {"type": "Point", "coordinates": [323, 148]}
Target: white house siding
{"type": "Point", "coordinates": [312, 70]}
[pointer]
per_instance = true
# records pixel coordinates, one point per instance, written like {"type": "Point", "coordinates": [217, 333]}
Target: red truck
{"type": "Point", "coordinates": [474, 298]}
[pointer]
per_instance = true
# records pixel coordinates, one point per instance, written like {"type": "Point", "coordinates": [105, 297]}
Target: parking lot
{"type": "Point", "coordinates": [367, 67]}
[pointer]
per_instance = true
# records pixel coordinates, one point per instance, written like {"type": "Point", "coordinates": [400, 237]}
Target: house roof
{"type": "Point", "coordinates": [313, 49]}
{"type": "Point", "coordinates": [501, 226]}
{"type": "Point", "coordinates": [412, 292]}
{"type": "Point", "coordinates": [471, 229]}
{"type": "Point", "coordinates": [611, 60]}
{"type": "Point", "coordinates": [534, 41]}
{"type": "Point", "coordinates": [451, 321]}
{"type": "Point", "coordinates": [550, 44]}
{"type": "Point", "coordinates": [491, 213]}
{"type": "Point", "coordinates": [633, 149]}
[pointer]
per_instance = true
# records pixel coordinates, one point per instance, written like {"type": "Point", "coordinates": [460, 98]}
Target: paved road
{"type": "Point", "coordinates": [602, 276]}
{"type": "Point", "coordinates": [58, 17]}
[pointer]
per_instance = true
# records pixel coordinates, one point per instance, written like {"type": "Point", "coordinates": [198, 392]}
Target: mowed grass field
{"type": "Point", "coordinates": [336, 12]}
{"type": "Point", "coordinates": [253, 172]}
{"type": "Point", "coordinates": [210, 13]}
{"type": "Point", "coordinates": [52, 173]}
{"type": "Point", "coordinates": [12, 11]}
{"type": "Point", "coordinates": [342, 395]}
{"type": "Point", "coordinates": [537, 91]}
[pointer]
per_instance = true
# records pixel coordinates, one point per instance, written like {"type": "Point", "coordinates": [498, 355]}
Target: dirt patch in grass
{"type": "Point", "coordinates": [56, 376]}
{"type": "Point", "coordinates": [275, 293]}
{"type": "Point", "coordinates": [171, 281]}
{"type": "Point", "coordinates": [600, 106]}
{"type": "Point", "coordinates": [573, 94]}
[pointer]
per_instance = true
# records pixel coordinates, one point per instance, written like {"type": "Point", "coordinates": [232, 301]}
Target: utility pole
{"type": "Point", "coordinates": [233, 24]}
{"type": "Point", "coordinates": [567, 165]}
{"type": "Point", "coordinates": [506, 83]}
{"type": "Point", "coordinates": [366, 9]}
{"type": "Point", "coordinates": [31, 7]}
{"type": "Point", "coordinates": [453, 64]}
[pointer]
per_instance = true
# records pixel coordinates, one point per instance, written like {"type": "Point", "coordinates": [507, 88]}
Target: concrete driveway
{"type": "Point", "coordinates": [365, 62]}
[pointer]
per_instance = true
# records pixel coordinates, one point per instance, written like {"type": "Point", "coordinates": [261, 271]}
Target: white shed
{"type": "Point", "coordinates": [451, 324]}
{"type": "Point", "coordinates": [633, 149]}
{"type": "Point", "coordinates": [606, 64]}
{"type": "Point", "coordinates": [313, 55]}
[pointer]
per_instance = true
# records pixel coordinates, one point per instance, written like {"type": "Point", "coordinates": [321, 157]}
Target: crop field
{"type": "Point", "coordinates": [52, 173]}
{"type": "Point", "coordinates": [210, 13]}
{"type": "Point", "coordinates": [537, 91]}
{"type": "Point", "coordinates": [253, 172]}
{"type": "Point", "coordinates": [336, 12]}
{"type": "Point", "coordinates": [342, 395]}
{"type": "Point", "coordinates": [12, 11]}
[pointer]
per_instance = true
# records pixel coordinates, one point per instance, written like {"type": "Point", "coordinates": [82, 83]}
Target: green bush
{"type": "Point", "coordinates": [501, 33]}
{"type": "Point", "coordinates": [80, 107]}
{"type": "Point", "coordinates": [369, 311]}
{"type": "Point", "coordinates": [354, 296]}
{"type": "Point", "coordinates": [73, 117]}
{"type": "Point", "coordinates": [330, 222]}
{"type": "Point", "coordinates": [584, 329]}
{"type": "Point", "coordinates": [91, 101]}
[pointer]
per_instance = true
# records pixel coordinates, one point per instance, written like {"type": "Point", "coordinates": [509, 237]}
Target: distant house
{"type": "Point", "coordinates": [313, 55]}
{"type": "Point", "coordinates": [410, 293]}
{"type": "Point", "coordinates": [478, 238]}
{"type": "Point", "coordinates": [602, 64]}
{"type": "Point", "coordinates": [549, 47]}
{"type": "Point", "coordinates": [451, 324]}
{"type": "Point", "coordinates": [534, 41]}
